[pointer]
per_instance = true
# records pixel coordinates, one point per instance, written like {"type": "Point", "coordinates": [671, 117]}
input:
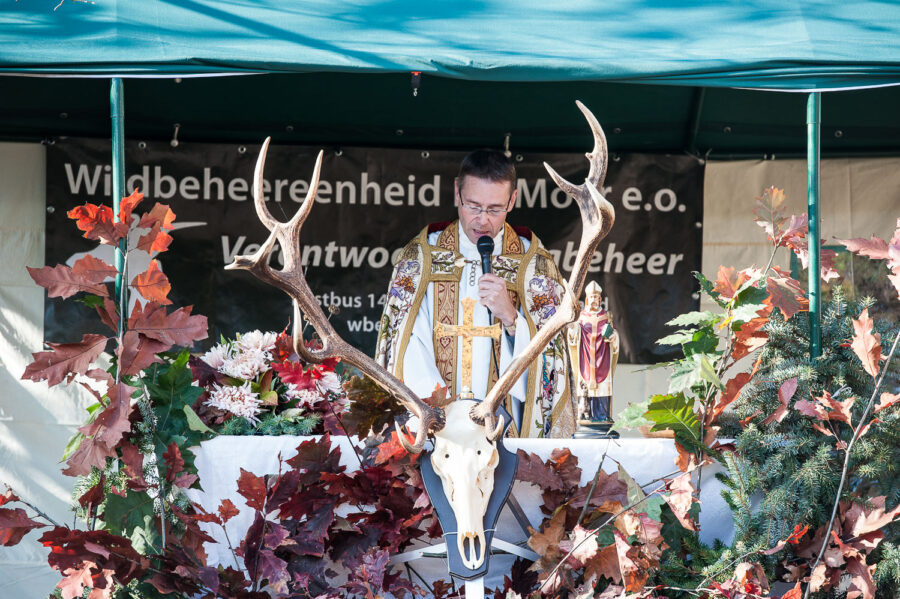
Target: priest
{"type": "Point", "coordinates": [442, 266]}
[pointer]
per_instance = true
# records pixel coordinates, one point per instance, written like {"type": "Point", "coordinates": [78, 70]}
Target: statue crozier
{"type": "Point", "coordinates": [594, 352]}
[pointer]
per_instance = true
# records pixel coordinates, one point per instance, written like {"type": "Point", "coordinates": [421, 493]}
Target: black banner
{"type": "Point", "coordinates": [370, 202]}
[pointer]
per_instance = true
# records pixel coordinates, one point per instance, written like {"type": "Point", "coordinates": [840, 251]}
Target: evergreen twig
{"type": "Point", "coordinates": [856, 434]}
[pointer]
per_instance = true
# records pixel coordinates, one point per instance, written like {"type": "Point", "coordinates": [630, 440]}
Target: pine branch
{"type": "Point", "coordinates": [856, 434]}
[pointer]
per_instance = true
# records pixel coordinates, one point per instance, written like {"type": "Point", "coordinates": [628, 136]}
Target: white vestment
{"type": "Point", "coordinates": [419, 370]}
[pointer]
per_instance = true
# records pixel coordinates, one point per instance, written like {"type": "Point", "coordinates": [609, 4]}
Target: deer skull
{"type": "Point", "coordinates": [465, 460]}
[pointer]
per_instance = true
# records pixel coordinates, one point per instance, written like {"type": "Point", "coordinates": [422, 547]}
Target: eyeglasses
{"type": "Point", "coordinates": [478, 210]}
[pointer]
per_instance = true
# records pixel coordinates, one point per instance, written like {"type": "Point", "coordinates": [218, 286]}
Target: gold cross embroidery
{"type": "Point", "coordinates": [467, 331]}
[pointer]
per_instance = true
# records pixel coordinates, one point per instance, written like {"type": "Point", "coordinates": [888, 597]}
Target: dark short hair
{"type": "Point", "coordinates": [492, 165]}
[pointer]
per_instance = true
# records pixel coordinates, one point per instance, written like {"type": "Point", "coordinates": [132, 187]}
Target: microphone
{"type": "Point", "coordinates": [485, 247]}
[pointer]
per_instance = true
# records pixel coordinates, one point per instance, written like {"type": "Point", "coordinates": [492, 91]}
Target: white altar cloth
{"type": "Point", "coordinates": [219, 462]}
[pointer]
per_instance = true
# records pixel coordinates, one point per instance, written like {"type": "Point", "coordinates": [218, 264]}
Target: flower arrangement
{"type": "Point", "coordinates": [256, 384]}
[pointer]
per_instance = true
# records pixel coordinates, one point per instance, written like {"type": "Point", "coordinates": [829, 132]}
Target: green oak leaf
{"type": "Point", "coordinates": [675, 412]}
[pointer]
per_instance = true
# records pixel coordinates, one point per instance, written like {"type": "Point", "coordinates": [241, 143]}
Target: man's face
{"type": "Point", "coordinates": [474, 196]}
{"type": "Point", "coordinates": [594, 302]}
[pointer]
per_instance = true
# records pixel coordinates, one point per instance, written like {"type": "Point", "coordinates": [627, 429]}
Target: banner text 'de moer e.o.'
{"type": "Point", "coordinates": [369, 203]}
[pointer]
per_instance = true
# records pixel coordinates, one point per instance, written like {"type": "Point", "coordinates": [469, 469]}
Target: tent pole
{"type": "Point", "coordinates": [813, 122]}
{"type": "Point", "coordinates": [117, 115]}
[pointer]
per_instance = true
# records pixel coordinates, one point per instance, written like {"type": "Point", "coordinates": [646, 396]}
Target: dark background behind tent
{"type": "Point", "coordinates": [644, 265]}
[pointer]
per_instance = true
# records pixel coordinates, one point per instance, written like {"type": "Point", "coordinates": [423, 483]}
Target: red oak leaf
{"type": "Point", "coordinates": [152, 284]}
{"type": "Point", "coordinates": [93, 496]}
{"type": "Point", "coordinates": [176, 328]}
{"type": "Point", "coordinates": [115, 559]}
{"type": "Point", "coordinates": [769, 212]}
{"type": "Point", "coordinates": [392, 449]}
{"type": "Point", "coordinates": [174, 462]}
{"type": "Point", "coordinates": [875, 248]}
{"type": "Point", "coordinates": [160, 214]}
{"type": "Point", "coordinates": [65, 359]}
{"type": "Point", "coordinates": [297, 374]}
{"type": "Point", "coordinates": [887, 400]}
{"type": "Point", "coordinates": [227, 510]}
{"type": "Point", "coordinates": [15, 524]}
{"type": "Point", "coordinates": [61, 281]}
{"type": "Point", "coordinates": [729, 394]}
{"type": "Point", "coordinates": [97, 223]}
{"type": "Point", "coordinates": [684, 459]}
{"type": "Point", "coordinates": [75, 580]}
{"type": "Point", "coordinates": [785, 294]}
{"type": "Point", "coordinates": [253, 489]}
{"type": "Point", "coordinates": [861, 581]}
{"type": "Point", "coordinates": [793, 539]}
{"type": "Point", "coordinates": [134, 467]}
{"type": "Point", "coordinates": [109, 314]}
{"type": "Point", "coordinates": [812, 409]}
{"type": "Point", "coordinates": [794, 593]}
{"type": "Point", "coordinates": [634, 567]}
{"type": "Point", "coordinates": [127, 206]}
{"type": "Point", "coordinates": [785, 393]}
{"type": "Point", "coordinates": [94, 269]}
{"type": "Point", "coordinates": [859, 520]}
{"type": "Point", "coordinates": [91, 453]}
{"type": "Point", "coordinates": [156, 240]}
{"type": "Point", "coordinates": [8, 497]}
{"type": "Point", "coordinates": [866, 344]}
{"type": "Point", "coordinates": [729, 282]}
{"type": "Point", "coordinates": [841, 410]}
{"type": "Point", "coordinates": [750, 337]}
{"type": "Point", "coordinates": [680, 498]}
{"type": "Point", "coordinates": [113, 422]}
{"type": "Point", "coordinates": [138, 351]}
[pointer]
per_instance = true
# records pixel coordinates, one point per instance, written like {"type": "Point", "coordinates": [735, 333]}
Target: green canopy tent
{"type": "Point", "coordinates": [688, 76]}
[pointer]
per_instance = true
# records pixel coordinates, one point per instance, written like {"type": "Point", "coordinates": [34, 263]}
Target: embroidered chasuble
{"type": "Point", "coordinates": [439, 268]}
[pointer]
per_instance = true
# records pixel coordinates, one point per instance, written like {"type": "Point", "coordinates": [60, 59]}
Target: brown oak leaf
{"type": "Point", "coordinates": [138, 351]}
{"type": "Point", "coordinates": [875, 248]}
{"type": "Point", "coordinates": [546, 542]}
{"type": "Point", "coordinates": [866, 344]}
{"type": "Point", "coordinates": [65, 359]}
{"type": "Point", "coordinates": [62, 281]}
{"type": "Point", "coordinates": [785, 393]}
{"type": "Point", "coordinates": [680, 499]}
{"type": "Point", "coordinates": [786, 294]}
{"type": "Point", "coordinates": [887, 400]}
{"type": "Point", "coordinates": [177, 328]}
{"type": "Point", "coordinates": [731, 392]}
{"type": "Point", "coordinates": [635, 568]}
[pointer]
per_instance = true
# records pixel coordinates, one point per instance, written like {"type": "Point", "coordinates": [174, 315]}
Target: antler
{"type": "Point", "coordinates": [597, 217]}
{"type": "Point", "coordinates": [291, 280]}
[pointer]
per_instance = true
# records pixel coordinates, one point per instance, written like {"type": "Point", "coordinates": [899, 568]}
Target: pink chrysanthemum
{"type": "Point", "coordinates": [240, 401]}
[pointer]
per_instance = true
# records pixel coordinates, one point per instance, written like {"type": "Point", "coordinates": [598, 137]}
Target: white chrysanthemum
{"type": "Point", "coordinates": [258, 340]}
{"type": "Point", "coordinates": [240, 401]}
{"type": "Point", "coordinates": [306, 397]}
{"type": "Point", "coordinates": [217, 355]}
{"type": "Point", "coordinates": [330, 383]}
{"type": "Point", "coordinates": [247, 364]}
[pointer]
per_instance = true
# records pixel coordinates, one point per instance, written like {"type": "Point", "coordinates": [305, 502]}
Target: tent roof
{"type": "Point", "coordinates": [769, 44]}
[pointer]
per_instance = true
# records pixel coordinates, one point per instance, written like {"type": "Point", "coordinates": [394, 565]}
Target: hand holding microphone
{"type": "Point", "coordinates": [491, 288]}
